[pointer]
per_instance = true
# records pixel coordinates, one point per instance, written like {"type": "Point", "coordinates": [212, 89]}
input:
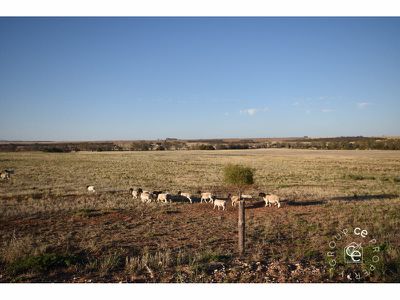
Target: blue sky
{"type": "Point", "coordinates": [146, 78]}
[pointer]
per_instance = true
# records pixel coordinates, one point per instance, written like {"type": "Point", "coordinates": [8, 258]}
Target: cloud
{"type": "Point", "coordinates": [327, 110]}
{"type": "Point", "coordinates": [252, 111]}
{"type": "Point", "coordinates": [249, 111]}
{"type": "Point", "coordinates": [362, 105]}
{"type": "Point", "coordinates": [297, 103]}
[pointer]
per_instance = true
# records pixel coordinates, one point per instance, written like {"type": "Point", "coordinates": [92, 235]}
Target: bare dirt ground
{"type": "Point", "coordinates": [52, 230]}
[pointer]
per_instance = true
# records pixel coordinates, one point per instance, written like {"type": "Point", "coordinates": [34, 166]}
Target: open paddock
{"type": "Point", "coordinates": [52, 229]}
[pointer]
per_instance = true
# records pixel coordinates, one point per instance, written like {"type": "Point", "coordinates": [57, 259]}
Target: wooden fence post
{"type": "Point", "coordinates": [241, 225]}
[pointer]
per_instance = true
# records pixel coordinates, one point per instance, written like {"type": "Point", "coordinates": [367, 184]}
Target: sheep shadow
{"type": "Point", "coordinates": [196, 199]}
{"type": "Point", "coordinates": [261, 204]}
{"type": "Point", "coordinates": [255, 204]}
{"type": "Point", "coordinates": [356, 197]}
{"type": "Point", "coordinates": [305, 203]}
{"type": "Point", "coordinates": [182, 199]}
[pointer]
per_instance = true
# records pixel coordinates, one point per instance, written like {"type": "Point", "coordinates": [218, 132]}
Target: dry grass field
{"type": "Point", "coordinates": [53, 230]}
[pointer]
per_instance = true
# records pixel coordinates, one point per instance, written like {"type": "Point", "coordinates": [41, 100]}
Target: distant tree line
{"type": "Point", "coordinates": [346, 143]}
{"type": "Point", "coordinates": [59, 147]}
{"type": "Point", "coordinates": [339, 143]}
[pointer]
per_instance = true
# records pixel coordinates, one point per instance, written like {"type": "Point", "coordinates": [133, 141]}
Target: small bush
{"type": "Point", "coordinates": [208, 257]}
{"type": "Point", "coordinates": [238, 176]}
{"type": "Point", "coordinates": [41, 263]}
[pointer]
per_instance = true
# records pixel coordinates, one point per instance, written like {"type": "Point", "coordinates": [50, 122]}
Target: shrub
{"type": "Point", "coordinates": [41, 263]}
{"type": "Point", "coordinates": [238, 175]}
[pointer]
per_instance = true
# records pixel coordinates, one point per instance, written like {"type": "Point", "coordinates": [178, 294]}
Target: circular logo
{"type": "Point", "coordinates": [353, 255]}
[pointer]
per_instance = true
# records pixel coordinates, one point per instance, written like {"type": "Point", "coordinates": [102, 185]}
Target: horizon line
{"type": "Point", "coordinates": [195, 139]}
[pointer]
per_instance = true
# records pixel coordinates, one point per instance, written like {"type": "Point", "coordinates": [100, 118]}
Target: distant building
{"type": "Point", "coordinates": [171, 139]}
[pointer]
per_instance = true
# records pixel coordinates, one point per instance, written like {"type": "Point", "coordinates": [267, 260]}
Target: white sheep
{"type": "Point", "coordinates": [220, 203]}
{"type": "Point", "coordinates": [235, 199]}
{"type": "Point", "coordinates": [186, 195]}
{"type": "Point", "coordinates": [164, 197]}
{"type": "Point", "coordinates": [90, 188]}
{"type": "Point", "coordinates": [4, 175]}
{"type": "Point", "coordinates": [146, 197]}
{"type": "Point", "coordinates": [206, 196]}
{"type": "Point", "coordinates": [270, 199]}
{"type": "Point", "coordinates": [156, 193]}
{"type": "Point", "coordinates": [135, 193]}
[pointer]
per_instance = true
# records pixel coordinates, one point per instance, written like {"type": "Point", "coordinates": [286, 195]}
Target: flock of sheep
{"type": "Point", "coordinates": [207, 197]}
{"type": "Point", "coordinates": [160, 196]}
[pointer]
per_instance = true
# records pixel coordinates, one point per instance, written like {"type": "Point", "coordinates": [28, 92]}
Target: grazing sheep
{"type": "Point", "coordinates": [270, 199]}
{"type": "Point", "coordinates": [186, 195]}
{"type": "Point", "coordinates": [164, 197]}
{"type": "Point", "coordinates": [5, 175]}
{"type": "Point", "coordinates": [206, 196]}
{"type": "Point", "coordinates": [156, 193]}
{"type": "Point", "coordinates": [146, 197]}
{"type": "Point", "coordinates": [235, 199]}
{"type": "Point", "coordinates": [90, 188]}
{"type": "Point", "coordinates": [135, 193]}
{"type": "Point", "coordinates": [220, 203]}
